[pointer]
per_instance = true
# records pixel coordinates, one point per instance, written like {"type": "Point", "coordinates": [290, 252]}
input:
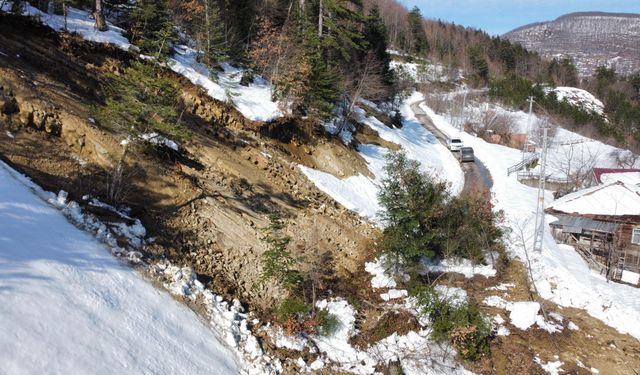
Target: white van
{"type": "Point", "coordinates": [455, 144]}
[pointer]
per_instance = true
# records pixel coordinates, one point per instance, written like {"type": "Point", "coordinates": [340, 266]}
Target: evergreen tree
{"type": "Point", "coordinates": [479, 65]}
{"type": "Point", "coordinates": [418, 37]}
{"type": "Point", "coordinates": [204, 23]}
{"type": "Point", "coordinates": [277, 262]}
{"type": "Point", "coordinates": [339, 25]}
{"type": "Point", "coordinates": [152, 26]}
{"type": "Point", "coordinates": [413, 204]}
{"type": "Point", "coordinates": [376, 36]}
{"type": "Point", "coordinates": [239, 18]}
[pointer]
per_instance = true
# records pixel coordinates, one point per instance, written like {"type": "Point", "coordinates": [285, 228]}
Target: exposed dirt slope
{"type": "Point", "coordinates": [206, 211]}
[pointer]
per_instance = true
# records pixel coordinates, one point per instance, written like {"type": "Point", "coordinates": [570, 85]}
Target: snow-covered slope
{"type": "Point", "coordinates": [68, 307]}
{"type": "Point", "coordinates": [359, 193]}
{"type": "Point", "coordinates": [579, 98]}
{"type": "Point", "coordinates": [253, 101]}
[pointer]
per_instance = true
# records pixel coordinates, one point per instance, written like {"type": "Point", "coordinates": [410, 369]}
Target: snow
{"type": "Point", "coordinates": [282, 340]}
{"type": "Point", "coordinates": [356, 193]}
{"type": "Point", "coordinates": [70, 307]}
{"type": "Point", "coordinates": [394, 294]}
{"type": "Point", "coordinates": [572, 326]}
{"type": "Point", "coordinates": [559, 272]}
{"type": "Point", "coordinates": [159, 140]}
{"type": "Point", "coordinates": [579, 98]}
{"type": "Point", "coordinates": [553, 368]}
{"type": "Point", "coordinates": [461, 266]}
{"type": "Point", "coordinates": [502, 287]}
{"type": "Point", "coordinates": [500, 329]}
{"type": "Point", "coordinates": [628, 178]}
{"type": "Point", "coordinates": [609, 199]}
{"type": "Point", "coordinates": [78, 21]}
{"type": "Point", "coordinates": [523, 314]}
{"type": "Point", "coordinates": [417, 353]}
{"type": "Point", "coordinates": [380, 278]}
{"type": "Point", "coordinates": [630, 277]}
{"type": "Point", "coordinates": [337, 347]}
{"type": "Point", "coordinates": [253, 101]}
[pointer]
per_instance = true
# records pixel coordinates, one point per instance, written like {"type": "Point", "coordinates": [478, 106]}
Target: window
{"type": "Point", "coordinates": [635, 236]}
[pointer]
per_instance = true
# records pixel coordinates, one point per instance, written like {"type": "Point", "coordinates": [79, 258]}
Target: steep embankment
{"type": "Point", "coordinates": [590, 39]}
{"type": "Point", "coordinates": [205, 209]}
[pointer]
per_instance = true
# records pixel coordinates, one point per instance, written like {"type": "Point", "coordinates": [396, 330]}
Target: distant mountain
{"type": "Point", "coordinates": [591, 39]}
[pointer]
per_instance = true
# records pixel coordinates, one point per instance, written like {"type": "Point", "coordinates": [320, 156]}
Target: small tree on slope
{"type": "Point", "coordinates": [413, 204]}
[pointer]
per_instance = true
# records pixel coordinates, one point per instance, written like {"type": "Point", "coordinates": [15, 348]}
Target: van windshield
{"type": "Point", "coordinates": [456, 141]}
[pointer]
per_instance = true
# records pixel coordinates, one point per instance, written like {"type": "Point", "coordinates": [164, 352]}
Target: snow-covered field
{"type": "Point", "coordinates": [359, 193]}
{"type": "Point", "coordinates": [68, 306]}
{"type": "Point", "coordinates": [560, 273]}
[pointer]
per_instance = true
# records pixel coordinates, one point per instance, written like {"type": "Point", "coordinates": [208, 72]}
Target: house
{"type": "Point", "coordinates": [601, 175]}
{"type": "Point", "coordinates": [603, 224]}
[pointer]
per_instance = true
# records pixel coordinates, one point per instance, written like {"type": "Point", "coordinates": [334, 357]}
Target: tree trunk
{"type": "Point", "coordinates": [101, 24]}
{"type": "Point", "coordinates": [320, 19]}
{"type": "Point", "coordinates": [207, 28]}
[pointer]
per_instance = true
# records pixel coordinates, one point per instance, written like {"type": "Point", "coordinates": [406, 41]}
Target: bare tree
{"type": "Point", "coordinates": [625, 158]}
{"type": "Point", "coordinates": [368, 79]}
{"type": "Point", "coordinates": [575, 161]}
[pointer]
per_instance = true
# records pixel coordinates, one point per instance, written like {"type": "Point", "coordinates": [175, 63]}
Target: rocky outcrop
{"type": "Point", "coordinates": [200, 104]}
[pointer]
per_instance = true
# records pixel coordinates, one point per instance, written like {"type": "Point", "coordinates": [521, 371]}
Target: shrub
{"type": "Point", "coordinates": [327, 322]}
{"type": "Point", "coordinates": [291, 308]}
{"type": "Point", "coordinates": [460, 322]}
{"type": "Point", "coordinates": [141, 100]}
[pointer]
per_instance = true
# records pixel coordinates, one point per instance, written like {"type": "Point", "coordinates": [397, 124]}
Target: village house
{"type": "Point", "coordinates": [602, 222]}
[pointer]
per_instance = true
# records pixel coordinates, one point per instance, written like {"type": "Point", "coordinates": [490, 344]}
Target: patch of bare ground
{"type": "Point", "coordinates": [593, 345]}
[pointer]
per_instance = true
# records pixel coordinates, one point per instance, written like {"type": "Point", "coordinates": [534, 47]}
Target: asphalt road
{"type": "Point", "coordinates": [477, 178]}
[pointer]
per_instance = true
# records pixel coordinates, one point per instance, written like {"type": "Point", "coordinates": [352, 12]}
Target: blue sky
{"type": "Point", "coordinates": [499, 16]}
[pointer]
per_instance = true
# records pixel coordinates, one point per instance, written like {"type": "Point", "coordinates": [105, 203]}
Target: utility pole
{"type": "Point", "coordinates": [538, 237]}
{"type": "Point", "coordinates": [528, 130]}
{"type": "Point", "coordinates": [464, 104]}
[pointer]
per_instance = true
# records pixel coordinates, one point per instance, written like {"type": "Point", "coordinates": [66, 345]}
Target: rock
{"type": "Point", "coordinates": [8, 104]}
{"type": "Point", "coordinates": [52, 125]}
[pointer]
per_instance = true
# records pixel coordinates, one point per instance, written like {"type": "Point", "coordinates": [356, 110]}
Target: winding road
{"type": "Point", "coordinates": [477, 178]}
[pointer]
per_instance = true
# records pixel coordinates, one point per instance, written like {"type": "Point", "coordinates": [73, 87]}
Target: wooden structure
{"type": "Point", "coordinates": [603, 224]}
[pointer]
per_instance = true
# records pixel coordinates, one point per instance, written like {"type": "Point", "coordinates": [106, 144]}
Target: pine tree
{"type": "Point", "coordinates": [339, 25]}
{"type": "Point", "coordinates": [202, 19]}
{"type": "Point", "coordinates": [277, 262]}
{"type": "Point", "coordinates": [152, 27]}
{"type": "Point", "coordinates": [419, 39]}
{"type": "Point", "coordinates": [376, 36]}
{"type": "Point", "coordinates": [413, 204]}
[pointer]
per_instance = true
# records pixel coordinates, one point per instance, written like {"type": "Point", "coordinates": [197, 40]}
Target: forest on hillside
{"type": "Point", "coordinates": [320, 55]}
